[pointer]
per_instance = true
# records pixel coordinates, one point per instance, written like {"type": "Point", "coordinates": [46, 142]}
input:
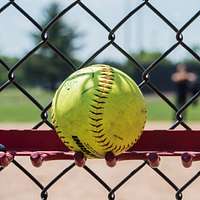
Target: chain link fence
{"type": "Point", "coordinates": [146, 73]}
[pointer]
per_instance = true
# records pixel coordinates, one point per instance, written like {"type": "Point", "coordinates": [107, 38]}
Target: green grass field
{"type": "Point", "coordinates": [15, 107]}
{"type": "Point", "coordinates": [158, 110]}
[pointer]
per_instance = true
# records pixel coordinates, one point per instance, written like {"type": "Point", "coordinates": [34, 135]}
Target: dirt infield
{"type": "Point", "coordinates": [78, 184]}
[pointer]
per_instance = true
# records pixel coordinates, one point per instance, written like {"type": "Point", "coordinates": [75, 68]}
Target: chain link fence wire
{"type": "Point", "coordinates": [146, 73]}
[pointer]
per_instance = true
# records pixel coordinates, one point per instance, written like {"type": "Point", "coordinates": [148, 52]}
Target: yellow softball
{"type": "Point", "coordinates": [99, 109]}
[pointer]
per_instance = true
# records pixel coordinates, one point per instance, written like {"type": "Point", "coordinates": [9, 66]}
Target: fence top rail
{"type": "Point", "coordinates": [150, 141]}
{"type": "Point", "coordinates": [45, 145]}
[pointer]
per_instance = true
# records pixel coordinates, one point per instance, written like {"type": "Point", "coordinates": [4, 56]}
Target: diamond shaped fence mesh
{"type": "Point", "coordinates": [110, 192]}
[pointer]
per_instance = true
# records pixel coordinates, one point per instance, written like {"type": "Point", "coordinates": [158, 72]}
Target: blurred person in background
{"type": "Point", "coordinates": [183, 80]}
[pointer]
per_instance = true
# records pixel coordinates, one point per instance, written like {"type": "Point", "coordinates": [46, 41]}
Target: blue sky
{"type": "Point", "coordinates": [144, 31]}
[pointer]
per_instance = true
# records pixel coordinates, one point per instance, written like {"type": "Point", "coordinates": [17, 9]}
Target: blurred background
{"type": "Point", "coordinates": [77, 35]}
{"type": "Point", "coordinates": [28, 83]}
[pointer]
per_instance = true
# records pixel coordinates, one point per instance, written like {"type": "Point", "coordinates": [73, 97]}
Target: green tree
{"type": "Point", "coordinates": [10, 62]}
{"type": "Point", "coordinates": [144, 58]}
{"type": "Point", "coordinates": [46, 68]}
{"type": "Point", "coordinates": [147, 57]}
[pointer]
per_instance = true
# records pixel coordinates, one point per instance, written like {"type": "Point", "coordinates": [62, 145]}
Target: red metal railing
{"type": "Point", "coordinates": [45, 145]}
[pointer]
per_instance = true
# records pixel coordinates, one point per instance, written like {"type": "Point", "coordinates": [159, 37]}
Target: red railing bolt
{"type": "Point", "coordinates": [36, 159]}
{"type": "Point", "coordinates": [186, 159]}
{"type": "Point", "coordinates": [153, 159]}
{"type": "Point", "coordinates": [79, 159]}
{"type": "Point", "coordinates": [110, 158]}
{"type": "Point", "coordinates": [5, 159]}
